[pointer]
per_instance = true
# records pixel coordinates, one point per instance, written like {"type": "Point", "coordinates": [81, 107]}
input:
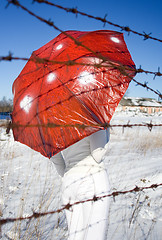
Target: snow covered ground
{"type": "Point", "coordinates": [29, 183]}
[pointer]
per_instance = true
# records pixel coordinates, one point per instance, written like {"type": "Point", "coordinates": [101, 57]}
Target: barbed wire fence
{"type": "Point", "coordinates": [68, 206]}
{"type": "Point", "coordinates": [122, 69]}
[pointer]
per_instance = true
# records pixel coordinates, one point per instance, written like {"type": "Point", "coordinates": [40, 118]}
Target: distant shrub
{"type": "Point", "coordinates": [6, 105]}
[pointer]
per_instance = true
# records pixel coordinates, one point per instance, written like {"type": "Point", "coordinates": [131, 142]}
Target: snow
{"type": "Point", "coordinates": [147, 102]}
{"type": "Point", "coordinates": [152, 103]}
{"type": "Point", "coordinates": [29, 183]}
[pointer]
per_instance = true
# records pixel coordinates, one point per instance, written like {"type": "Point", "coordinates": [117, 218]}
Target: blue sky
{"type": "Point", "coordinates": [21, 34]}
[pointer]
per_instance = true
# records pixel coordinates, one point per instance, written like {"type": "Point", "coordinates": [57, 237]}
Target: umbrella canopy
{"type": "Point", "coordinates": [70, 89]}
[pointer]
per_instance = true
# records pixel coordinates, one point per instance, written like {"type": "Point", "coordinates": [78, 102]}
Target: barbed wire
{"type": "Point", "coordinates": [50, 23]}
{"type": "Point", "coordinates": [78, 43]}
{"type": "Point", "coordinates": [67, 99]}
{"type": "Point", "coordinates": [121, 68]}
{"type": "Point", "coordinates": [122, 28]}
{"type": "Point", "coordinates": [10, 57]}
{"type": "Point", "coordinates": [69, 205]}
{"type": "Point", "coordinates": [8, 125]}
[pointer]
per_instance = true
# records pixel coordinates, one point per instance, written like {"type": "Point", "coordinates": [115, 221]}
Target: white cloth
{"type": "Point", "coordinates": [85, 176]}
{"type": "Point", "coordinates": [87, 220]}
{"type": "Point", "coordinates": [93, 145]}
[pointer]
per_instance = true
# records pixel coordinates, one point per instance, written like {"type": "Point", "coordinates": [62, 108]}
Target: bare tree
{"type": "Point", "coordinates": [6, 105]}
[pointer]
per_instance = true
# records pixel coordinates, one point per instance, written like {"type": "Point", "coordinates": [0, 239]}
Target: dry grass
{"type": "Point", "coordinates": [145, 141]}
{"type": "Point", "coordinates": [139, 141]}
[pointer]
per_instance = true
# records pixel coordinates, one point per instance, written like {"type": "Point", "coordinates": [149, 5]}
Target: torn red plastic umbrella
{"type": "Point", "coordinates": [70, 89]}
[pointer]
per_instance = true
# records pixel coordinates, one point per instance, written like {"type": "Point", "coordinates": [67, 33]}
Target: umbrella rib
{"type": "Point", "coordinates": [37, 116]}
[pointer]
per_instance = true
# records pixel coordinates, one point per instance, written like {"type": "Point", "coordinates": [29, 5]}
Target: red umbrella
{"type": "Point", "coordinates": [57, 102]}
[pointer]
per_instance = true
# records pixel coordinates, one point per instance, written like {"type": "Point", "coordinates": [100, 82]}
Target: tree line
{"type": "Point", "coordinates": [6, 105]}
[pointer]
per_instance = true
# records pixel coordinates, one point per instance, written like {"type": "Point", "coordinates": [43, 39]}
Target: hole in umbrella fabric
{"type": "Point", "coordinates": [59, 46]}
{"type": "Point", "coordinates": [114, 39]}
{"type": "Point", "coordinates": [51, 77]}
{"type": "Point", "coordinates": [26, 103]}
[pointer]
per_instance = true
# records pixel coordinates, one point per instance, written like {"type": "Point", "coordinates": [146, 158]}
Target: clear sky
{"type": "Point", "coordinates": [21, 34]}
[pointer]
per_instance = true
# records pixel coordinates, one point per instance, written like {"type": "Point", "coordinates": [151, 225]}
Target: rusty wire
{"type": "Point", "coordinates": [78, 43]}
{"type": "Point", "coordinates": [122, 69]}
{"type": "Point", "coordinates": [68, 206]}
{"type": "Point", "coordinates": [73, 62]}
{"type": "Point", "coordinates": [103, 20]}
{"type": "Point", "coordinates": [9, 125]}
{"type": "Point", "coordinates": [10, 57]}
{"type": "Point", "coordinates": [150, 125]}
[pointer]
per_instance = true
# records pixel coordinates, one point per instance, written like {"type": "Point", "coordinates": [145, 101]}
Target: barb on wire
{"type": "Point", "coordinates": [10, 57]}
{"type": "Point", "coordinates": [120, 68]}
{"type": "Point", "coordinates": [96, 65]}
{"type": "Point", "coordinates": [48, 22]}
{"type": "Point", "coordinates": [150, 125]}
{"type": "Point", "coordinates": [9, 125]}
{"type": "Point", "coordinates": [146, 36]}
{"type": "Point", "coordinates": [78, 43]}
{"type": "Point", "coordinates": [158, 73]}
{"type": "Point", "coordinates": [38, 60]}
{"type": "Point", "coordinates": [145, 85]}
{"type": "Point", "coordinates": [68, 206]}
{"type": "Point", "coordinates": [76, 12]}
{"type": "Point", "coordinates": [55, 27]}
